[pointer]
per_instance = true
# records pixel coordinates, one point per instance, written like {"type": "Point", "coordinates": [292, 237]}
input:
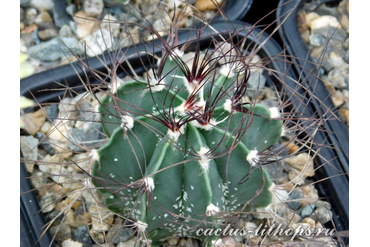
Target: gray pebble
{"type": "Point", "coordinates": [66, 31]}
{"type": "Point", "coordinates": [276, 172]}
{"type": "Point", "coordinates": [61, 17]}
{"type": "Point", "coordinates": [322, 215]}
{"type": "Point", "coordinates": [307, 210]}
{"type": "Point", "coordinates": [71, 9]}
{"type": "Point", "coordinates": [21, 15]}
{"type": "Point", "coordinates": [82, 235]}
{"type": "Point", "coordinates": [52, 112]}
{"type": "Point", "coordinates": [25, 3]}
{"type": "Point", "coordinates": [61, 232]}
{"type": "Point", "coordinates": [295, 199]}
{"type": "Point", "coordinates": [54, 215]}
{"type": "Point", "coordinates": [256, 81]}
{"type": "Point", "coordinates": [91, 138]}
{"type": "Point", "coordinates": [337, 79]}
{"type": "Point", "coordinates": [53, 49]}
{"type": "Point", "coordinates": [327, 10]}
{"type": "Point", "coordinates": [316, 39]}
{"type": "Point", "coordinates": [118, 234]}
{"type": "Point", "coordinates": [44, 144]}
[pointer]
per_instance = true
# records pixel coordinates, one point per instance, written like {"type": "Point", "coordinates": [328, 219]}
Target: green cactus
{"type": "Point", "coordinates": [183, 149]}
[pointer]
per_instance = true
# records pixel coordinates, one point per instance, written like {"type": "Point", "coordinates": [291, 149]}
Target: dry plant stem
{"type": "Point", "coordinates": [176, 126]}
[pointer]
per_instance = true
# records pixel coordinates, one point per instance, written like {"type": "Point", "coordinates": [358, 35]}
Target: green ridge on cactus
{"type": "Point", "coordinates": [180, 182]}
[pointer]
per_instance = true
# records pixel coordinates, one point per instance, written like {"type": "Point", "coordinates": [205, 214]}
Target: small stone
{"type": "Point", "coordinates": [324, 22]}
{"type": "Point", "coordinates": [295, 176]}
{"type": "Point", "coordinates": [337, 79]}
{"type": "Point", "coordinates": [204, 5]}
{"type": "Point", "coordinates": [31, 14]}
{"type": "Point", "coordinates": [81, 234]}
{"type": "Point", "coordinates": [101, 218]}
{"type": "Point", "coordinates": [47, 34]}
{"type": "Point", "coordinates": [338, 63]}
{"type": "Point", "coordinates": [21, 15]}
{"type": "Point", "coordinates": [250, 227]}
{"type": "Point", "coordinates": [316, 39]}
{"type": "Point", "coordinates": [83, 220]}
{"type": "Point", "coordinates": [345, 115]}
{"type": "Point", "coordinates": [344, 22]}
{"type": "Point", "coordinates": [97, 236]}
{"type": "Point", "coordinates": [93, 8]}
{"type": "Point", "coordinates": [133, 242]}
{"type": "Point", "coordinates": [117, 233]}
{"type": "Point", "coordinates": [29, 150]}
{"type": "Point", "coordinates": [71, 243]}
{"type": "Point", "coordinates": [329, 27]}
{"type": "Point", "coordinates": [52, 112]}
{"type": "Point", "coordinates": [25, 3]}
{"type": "Point", "coordinates": [337, 98]}
{"type": "Point", "coordinates": [303, 162]}
{"type": "Point", "coordinates": [182, 243]}
{"type": "Point", "coordinates": [44, 144]}
{"type": "Point", "coordinates": [173, 241]}
{"type": "Point", "coordinates": [309, 221]}
{"type": "Point", "coordinates": [228, 242]}
{"type": "Point", "coordinates": [38, 179]}
{"type": "Point", "coordinates": [61, 232]}
{"type": "Point", "coordinates": [47, 203]}
{"type": "Point", "coordinates": [307, 210]}
{"type": "Point", "coordinates": [71, 9]}
{"type": "Point", "coordinates": [66, 31]}
{"type": "Point", "coordinates": [111, 24]}
{"type": "Point", "coordinates": [98, 42]}
{"type": "Point", "coordinates": [309, 17]}
{"type": "Point", "coordinates": [61, 17]}
{"type": "Point", "coordinates": [56, 216]}
{"type": "Point", "coordinates": [310, 195]}
{"type": "Point", "coordinates": [42, 5]}
{"type": "Point", "coordinates": [321, 214]}
{"type": "Point", "coordinates": [54, 49]}
{"type": "Point", "coordinates": [87, 135]}
{"type": "Point", "coordinates": [45, 127]}
{"type": "Point", "coordinates": [291, 217]}
{"type": "Point", "coordinates": [295, 198]}
{"type": "Point", "coordinates": [256, 82]}
{"type": "Point", "coordinates": [276, 172]}
{"type": "Point", "coordinates": [43, 17]}
{"type": "Point", "coordinates": [85, 25]}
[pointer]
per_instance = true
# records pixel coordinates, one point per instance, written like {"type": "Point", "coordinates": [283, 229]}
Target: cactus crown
{"type": "Point", "coordinates": [184, 144]}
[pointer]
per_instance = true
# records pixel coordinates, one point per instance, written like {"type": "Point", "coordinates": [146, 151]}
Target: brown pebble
{"type": "Point", "coordinates": [345, 114]}
{"type": "Point", "coordinates": [29, 29]}
{"type": "Point", "coordinates": [204, 5]}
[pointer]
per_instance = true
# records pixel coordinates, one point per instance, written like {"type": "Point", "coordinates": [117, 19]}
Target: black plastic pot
{"type": "Point", "coordinates": [235, 10]}
{"type": "Point", "coordinates": [66, 75]}
{"type": "Point", "coordinates": [336, 189]}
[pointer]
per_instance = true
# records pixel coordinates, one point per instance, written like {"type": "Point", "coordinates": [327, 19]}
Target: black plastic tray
{"type": "Point", "coordinates": [67, 75]}
{"type": "Point", "coordinates": [335, 189]}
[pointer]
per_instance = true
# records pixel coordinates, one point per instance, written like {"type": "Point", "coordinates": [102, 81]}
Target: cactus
{"type": "Point", "coordinates": [184, 147]}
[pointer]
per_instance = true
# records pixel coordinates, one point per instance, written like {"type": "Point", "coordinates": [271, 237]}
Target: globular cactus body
{"type": "Point", "coordinates": [182, 153]}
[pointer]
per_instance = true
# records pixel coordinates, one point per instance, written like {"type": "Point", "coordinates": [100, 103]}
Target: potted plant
{"type": "Point", "coordinates": [186, 98]}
